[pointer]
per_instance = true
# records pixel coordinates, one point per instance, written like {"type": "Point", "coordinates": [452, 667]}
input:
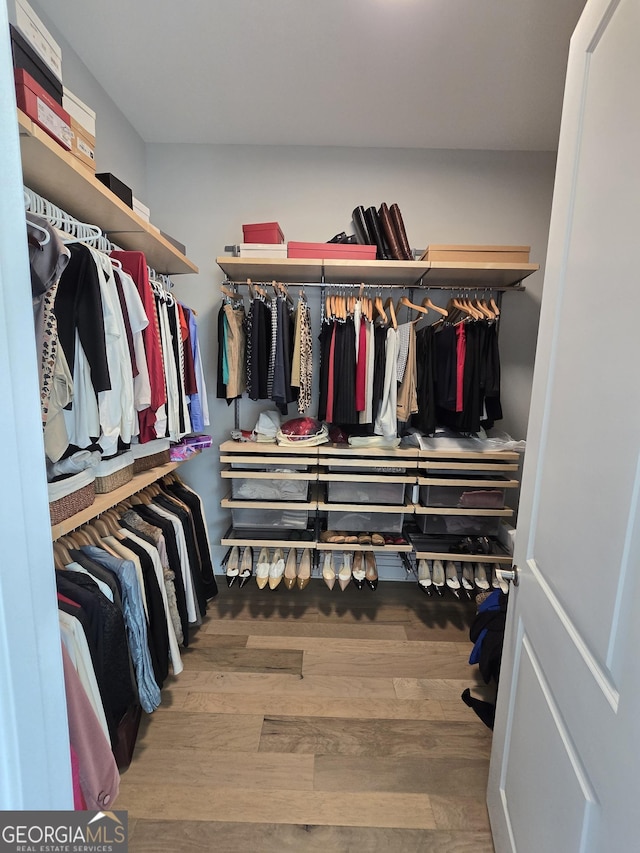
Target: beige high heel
{"type": "Point", "coordinates": [290, 569]}
{"type": "Point", "coordinates": [328, 572]}
{"type": "Point", "coordinates": [304, 572]}
{"type": "Point", "coordinates": [344, 575]}
{"type": "Point", "coordinates": [262, 569]}
{"type": "Point", "coordinates": [276, 570]}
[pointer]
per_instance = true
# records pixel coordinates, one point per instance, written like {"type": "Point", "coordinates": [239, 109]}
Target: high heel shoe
{"type": "Point", "coordinates": [276, 569]}
{"type": "Point", "coordinates": [497, 581]}
{"type": "Point", "coordinates": [304, 572]}
{"type": "Point", "coordinates": [438, 575]}
{"type": "Point", "coordinates": [371, 569]}
{"type": "Point", "coordinates": [246, 567]}
{"type": "Point", "coordinates": [262, 569]}
{"type": "Point", "coordinates": [480, 576]}
{"type": "Point", "coordinates": [451, 576]}
{"type": "Point", "coordinates": [358, 570]}
{"type": "Point", "coordinates": [232, 566]}
{"type": "Point", "coordinates": [328, 572]}
{"type": "Point", "coordinates": [424, 576]}
{"type": "Point", "coordinates": [344, 575]}
{"type": "Point", "coordinates": [290, 569]}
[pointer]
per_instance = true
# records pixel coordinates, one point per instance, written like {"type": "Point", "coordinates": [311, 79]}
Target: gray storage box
{"type": "Point", "coordinates": [287, 519]}
{"type": "Point", "coordinates": [252, 489]}
{"type": "Point", "coordinates": [365, 493]}
{"type": "Point", "coordinates": [365, 522]}
{"type": "Point", "coordinates": [459, 525]}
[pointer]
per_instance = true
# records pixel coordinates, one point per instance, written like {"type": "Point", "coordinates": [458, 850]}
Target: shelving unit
{"type": "Point", "coordinates": [106, 501]}
{"type": "Point", "coordinates": [434, 274]}
{"type": "Point", "coordinates": [56, 174]}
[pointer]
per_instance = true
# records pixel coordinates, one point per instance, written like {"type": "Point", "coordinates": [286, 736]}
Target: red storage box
{"type": "Point", "coordinates": [41, 108]}
{"type": "Point", "coordinates": [331, 251]}
{"type": "Point", "coordinates": [263, 232]}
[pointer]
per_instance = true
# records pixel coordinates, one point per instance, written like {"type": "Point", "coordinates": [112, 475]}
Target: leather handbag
{"type": "Point", "coordinates": [389, 233]}
{"type": "Point", "coordinates": [401, 234]}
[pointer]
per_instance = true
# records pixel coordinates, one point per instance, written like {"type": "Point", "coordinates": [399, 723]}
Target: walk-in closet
{"type": "Point", "coordinates": [320, 426]}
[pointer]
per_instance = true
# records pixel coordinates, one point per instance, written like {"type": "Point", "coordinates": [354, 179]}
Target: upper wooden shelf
{"type": "Point", "coordinates": [58, 176]}
{"type": "Point", "coordinates": [437, 274]}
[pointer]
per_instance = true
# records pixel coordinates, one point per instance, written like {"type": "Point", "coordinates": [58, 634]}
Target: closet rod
{"type": "Point", "coordinates": [458, 286]}
{"type": "Point", "coordinates": [59, 218]}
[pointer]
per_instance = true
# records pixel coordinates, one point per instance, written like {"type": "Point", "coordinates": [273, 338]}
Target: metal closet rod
{"type": "Point", "coordinates": [461, 288]}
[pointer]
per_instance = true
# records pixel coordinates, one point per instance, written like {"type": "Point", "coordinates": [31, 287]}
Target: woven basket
{"type": "Point", "coordinates": [69, 505]}
{"type": "Point", "coordinates": [143, 463]}
{"type": "Point", "coordinates": [114, 481]}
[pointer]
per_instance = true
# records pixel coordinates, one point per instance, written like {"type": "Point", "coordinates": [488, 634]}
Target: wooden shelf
{"type": "Point", "coordinates": [455, 510]}
{"type": "Point", "coordinates": [106, 501]}
{"type": "Point", "coordinates": [261, 539]}
{"type": "Point", "coordinates": [345, 546]}
{"type": "Point", "coordinates": [57, 175]}
{"type": "Point", "coordinates": [426, 274]}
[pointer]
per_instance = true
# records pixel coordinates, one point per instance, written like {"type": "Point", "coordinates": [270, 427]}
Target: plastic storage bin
{"type": "Point", "coordinates": [365, 522]}
{"type": "Point", "coordinates": [459, 525]}
{"type": "Point", "coordinates": [260, 518]}
{"type": "Point", "coordinates": [365, 493]}
{"type": "Point", "coordinates": [473, 495]}
{"type": "Point", "coordinates": [249, 488]}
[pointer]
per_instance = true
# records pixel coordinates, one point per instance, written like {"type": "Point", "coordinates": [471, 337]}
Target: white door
{"type": "Point", "coordinates": [565, 768]}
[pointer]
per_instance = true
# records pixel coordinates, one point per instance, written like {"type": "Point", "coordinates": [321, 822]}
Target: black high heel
{"type": "Point", "coordinates": [246, 567]}
{"type": "Point", "coordinates": [358, 571]}
{"type": "Point", "coordinates": [371, 571]}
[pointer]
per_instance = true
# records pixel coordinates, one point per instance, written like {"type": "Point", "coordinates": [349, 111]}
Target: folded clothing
{"type": "Point", "coordinates": [79, 461]}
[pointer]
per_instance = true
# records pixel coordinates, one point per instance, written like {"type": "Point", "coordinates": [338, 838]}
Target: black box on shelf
{"type": "Point", "coordinates": [24, 56]}
{"type": "Point", "coordinates": [117, 187]}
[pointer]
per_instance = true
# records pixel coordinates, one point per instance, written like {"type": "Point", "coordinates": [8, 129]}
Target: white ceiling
{"type": "Point", "coordinates": [483, 74]}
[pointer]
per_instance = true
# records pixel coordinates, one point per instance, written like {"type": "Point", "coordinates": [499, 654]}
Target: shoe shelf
{"type": "Point", "coordinates": [362, 491]}
{"type": "Point", "coordinates": [432, 274]}
{"type": "Point", "coordinates": [56, 174]}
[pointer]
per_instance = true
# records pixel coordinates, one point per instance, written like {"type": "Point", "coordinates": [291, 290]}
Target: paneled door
{"type": "Point", "coordinates": [565, 768]}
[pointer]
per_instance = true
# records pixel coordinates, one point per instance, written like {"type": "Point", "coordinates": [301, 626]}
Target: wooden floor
{"type": "Point", "coordinates": [316, 721]}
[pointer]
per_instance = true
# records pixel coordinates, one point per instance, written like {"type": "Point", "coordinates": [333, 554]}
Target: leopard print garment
{"type": "Point", "coordinates": [306, 357]}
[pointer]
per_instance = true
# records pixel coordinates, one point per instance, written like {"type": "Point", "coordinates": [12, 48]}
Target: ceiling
{"type": "Point", "coordinates": [474, 74]}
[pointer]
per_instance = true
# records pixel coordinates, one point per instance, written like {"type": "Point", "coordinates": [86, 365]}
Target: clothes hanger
{"type": "Point", "coordinates": [427, 303]}
{"type": "Point", "coordinates": [404, 300]}
{"type": "Point", "coordinates": [234, 297]}
{"type": "Point", "coordinates": [494, 307]}
{"type": "Point", "coordinates": [392, 312]}
{"type": "Point", "coordinates": [380, 309]}
{"type": "Point", "coordinates": [61, 556]}
{"type": "Point", "coordinates": [41, 230]}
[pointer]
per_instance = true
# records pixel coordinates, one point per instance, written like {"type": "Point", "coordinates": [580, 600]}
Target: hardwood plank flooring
{"type": "Point", "coordinates": [316, 721]}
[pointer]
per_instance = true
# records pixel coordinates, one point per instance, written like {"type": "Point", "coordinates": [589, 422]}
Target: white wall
{"type": "Point", "coordinates": [203, 194]}
{"type": "Point", "coordinates": [119, 148]}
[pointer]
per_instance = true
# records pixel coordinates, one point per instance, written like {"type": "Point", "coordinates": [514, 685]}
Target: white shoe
{"type": "Point", "coordinates": [503, 585]}
{"type": "Point", "coordinates": [276, 570]}
{"type": "Point", "coordinates": [262, 569]}
{"type": "Point", "coordinates": [424, 574]}
{"type": "Point", "coordinates": [438, 574]}
{"type": "Point", "coordinates": [451, 575]}
{"type": "Point", "coordinates": [467, 576]}
{"type": "Point", "coordinates": [480, 576]}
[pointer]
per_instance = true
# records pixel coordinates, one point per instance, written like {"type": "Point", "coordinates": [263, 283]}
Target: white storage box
{"type": "Point", "coordinates": [113, 473]}
{"type": "Point", "coordinates": [263, 250]}
{"type": "Point", "coordinates": [260, 518]}
{"type": "Point", "coordinates": [78, 110]}
{"type": "Point", "coordinates": [71, 495]}
{"type": "Point", "coordinates": [37, 35]}
{"type": "Point", "coordinates": [141, 209]}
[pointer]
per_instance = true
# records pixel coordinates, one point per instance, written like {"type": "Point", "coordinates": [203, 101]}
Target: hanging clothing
{"type": "Point", "coordinates": [386, 422]}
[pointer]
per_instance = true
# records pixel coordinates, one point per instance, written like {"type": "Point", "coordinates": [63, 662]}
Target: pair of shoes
{"type": "Point", "coordinates": [343, 237]}
{"type": "Point", "coordinates": [270, 571]}
{"type": "Point", "coordinates": [497, 581]}
{"type": "Point", "coordinates": [304, 570]}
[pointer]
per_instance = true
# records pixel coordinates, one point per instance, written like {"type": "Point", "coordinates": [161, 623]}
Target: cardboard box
{"type": "Point", "coordinates": [331, 251]}
{"type": "Point", "coordinates": [78, 110]}
{"type": "Point", "coordinates": [141, 209]}
{"type": "Point", "coordinates": [117, 187]}
{"type": "Point", "coordinates": [262, 250]}
{"type": "Point", "coordinates": [471, 254]}
{"type": "Point", "coordinates": [24, 56]}
{"type": "Point", "coordinates": [37, 35]}
{"type": "Point", "coordinates": [83, 145]}
{"type": "Point", "coordinates": [41, 108]}
{"type": "Point", "coordinates": [263, 232]}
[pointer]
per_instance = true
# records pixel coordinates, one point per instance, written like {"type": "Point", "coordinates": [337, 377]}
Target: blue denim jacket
{"type": "Point", "coordinates": [135, 621]}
